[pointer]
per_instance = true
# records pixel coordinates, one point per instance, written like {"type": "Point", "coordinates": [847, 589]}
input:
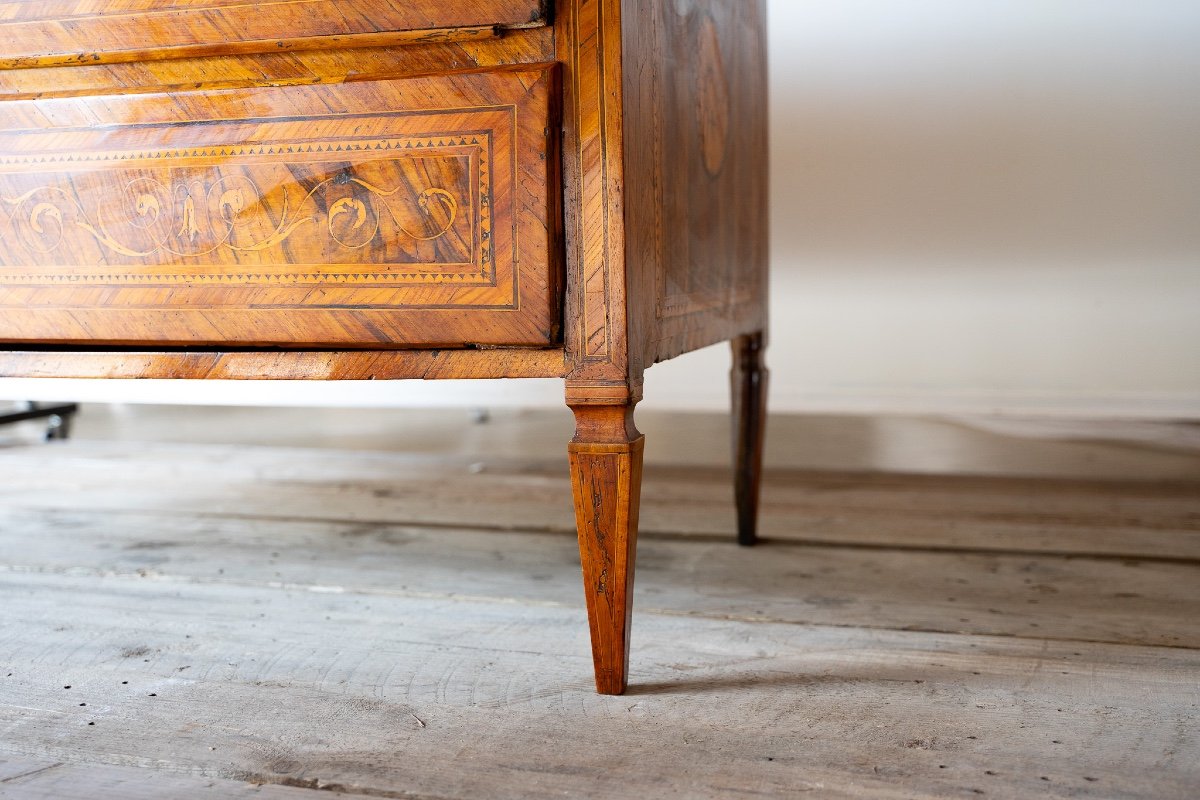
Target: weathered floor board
{"type": "Point", "coordinates": [267, 622]}
{"type": "Point", "coordinates": [1060, 597]}
{"type": "Point", "coordinates": [1137, 519]}
{"type": "Point", "coordinates": [470, 699]}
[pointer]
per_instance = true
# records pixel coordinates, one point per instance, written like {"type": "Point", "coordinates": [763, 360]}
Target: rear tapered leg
{"type": "Point", "coordinates": [748, 380]}
{"type": "Point", "coordinates": [606, 481]}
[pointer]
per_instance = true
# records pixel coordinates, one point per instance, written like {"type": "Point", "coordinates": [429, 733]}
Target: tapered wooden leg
{"type": "Point", "coordinates": [606, 480]}
{"type": "Point", "coordinates": [748, 380]}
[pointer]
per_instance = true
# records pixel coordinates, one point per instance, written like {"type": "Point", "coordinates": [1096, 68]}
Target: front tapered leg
{"type": "Point", "coordinates": [606, 480]}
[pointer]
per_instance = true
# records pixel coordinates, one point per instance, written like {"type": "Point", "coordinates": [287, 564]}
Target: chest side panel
{"type": "Point", "coordinates": [696, 171]}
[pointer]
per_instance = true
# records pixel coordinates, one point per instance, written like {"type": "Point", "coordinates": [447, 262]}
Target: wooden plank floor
{"type": "Point", "coordinates": [208, 619]}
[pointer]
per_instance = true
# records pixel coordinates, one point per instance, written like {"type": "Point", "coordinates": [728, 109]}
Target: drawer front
{"type": "Point", "coordinates": [408, 212]}
{"type": "Point", "coordinates": [49, 32]}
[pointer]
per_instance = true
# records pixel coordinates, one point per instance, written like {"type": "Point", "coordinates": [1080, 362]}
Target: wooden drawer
{"type": "Point", "coordinates": [51, 32]}
{"type": "Point", "coordinates": [396, 213]}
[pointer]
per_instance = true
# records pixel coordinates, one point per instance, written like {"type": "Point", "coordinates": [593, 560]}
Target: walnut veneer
{"type": "Point", "coordinates": [389, 189]}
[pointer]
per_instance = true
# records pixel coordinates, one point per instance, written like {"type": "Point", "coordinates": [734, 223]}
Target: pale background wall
{"type": "Point", "coordinates": [978, 207]}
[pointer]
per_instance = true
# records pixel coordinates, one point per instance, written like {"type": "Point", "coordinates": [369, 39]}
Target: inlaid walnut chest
{"type": "Point", "coordinates": [391, 189]}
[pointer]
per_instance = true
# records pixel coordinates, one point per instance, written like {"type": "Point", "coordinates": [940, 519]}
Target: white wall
{"type": "Point", "coordinates": [978, 206]}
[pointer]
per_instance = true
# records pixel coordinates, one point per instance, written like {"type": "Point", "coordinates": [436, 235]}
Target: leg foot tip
{"type": "Point", "coordinates": [610, 685]}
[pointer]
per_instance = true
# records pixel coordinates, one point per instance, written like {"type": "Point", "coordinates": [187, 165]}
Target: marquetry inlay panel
{"type": "Point", "coordinates": [290, 211]}
{"type": "Point", "coordinates": [367, 198]}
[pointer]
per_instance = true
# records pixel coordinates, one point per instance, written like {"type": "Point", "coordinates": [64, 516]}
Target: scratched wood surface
{"type": "Point", "coordinates": [380, 624]}
{"type": "Point", "coordinates": [432, 697]}
{"type": "Point", "coordinates": [1067, 598]}
{"type": "Point", "coordinates": [59, 780]}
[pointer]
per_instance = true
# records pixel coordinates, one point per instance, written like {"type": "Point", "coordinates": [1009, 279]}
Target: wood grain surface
{"type": "Point", "coordinates": [1059, 559]}
{"type": "Point", "coordinates": [596, 335]}
{"type": "Point", "coordinates": [605, 458]}
{"type": "Point", "coordinates": [748, 389]}
{"type": "Point", "coordinates": [1031, 596]}
{"type": "Point", "coordinates": [69, 32]}
{"type": "Point", "coordinates": [234, 650]}
{"type": "Point", "coordinates": [695, 116]}
{"type": "Point", "coordinates": [291, 66]}
{"type": "Point", "coordinates": [1134, 520]}
{"type": "Point", "coordinates": [667, 225]}
{"type": "Point", "coordinates": [436, 680]}
{"type": "Point", "coordinates": [355, 365]}
{"type": "Point", "coordinates": [43, 779]}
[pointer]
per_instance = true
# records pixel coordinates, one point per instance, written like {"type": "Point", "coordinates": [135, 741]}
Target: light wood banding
{"type": "Point", "coordinates": [357, 365]}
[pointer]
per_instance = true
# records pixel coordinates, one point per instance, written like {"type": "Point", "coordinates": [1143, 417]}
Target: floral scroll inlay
{"type": "Point", "coordinates": [420, 210]}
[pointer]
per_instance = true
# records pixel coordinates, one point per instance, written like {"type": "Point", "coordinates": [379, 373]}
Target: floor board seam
{"type": "Point", "coordinates": [32, 772]}
{"type": "Point", "coordinates": [650, 535]}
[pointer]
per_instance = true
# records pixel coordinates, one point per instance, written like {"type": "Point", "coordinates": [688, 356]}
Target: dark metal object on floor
{"type": "Point", "coordinates": [58, 418]}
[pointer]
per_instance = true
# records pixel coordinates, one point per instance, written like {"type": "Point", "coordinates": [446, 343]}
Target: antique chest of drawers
{"type": "Point", "coordinates": [397, 189]}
